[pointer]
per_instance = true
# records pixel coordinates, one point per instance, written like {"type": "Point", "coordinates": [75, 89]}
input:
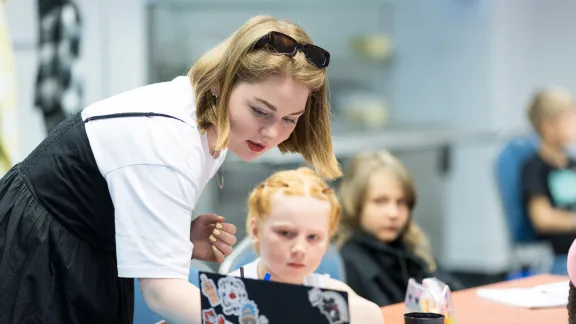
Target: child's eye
{"type": "Point", "coordinates": [313, 237]}
{"type": "Point", "coordinates": [381, 200]}
{"type": "Point", "coordinates": [286, 233]}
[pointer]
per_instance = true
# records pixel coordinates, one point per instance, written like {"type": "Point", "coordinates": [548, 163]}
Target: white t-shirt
{"type": "Point", "coordinates": [156, 169]}
{"type": "Point", "coordinates": [251, 272]}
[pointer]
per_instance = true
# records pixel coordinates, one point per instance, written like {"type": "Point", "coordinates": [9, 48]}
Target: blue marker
{"type": "Point", "coordinates": [267, 276]}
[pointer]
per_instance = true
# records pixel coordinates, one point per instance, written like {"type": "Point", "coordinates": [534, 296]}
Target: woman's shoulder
{"type": "Point", "coordinates": [174, 98]}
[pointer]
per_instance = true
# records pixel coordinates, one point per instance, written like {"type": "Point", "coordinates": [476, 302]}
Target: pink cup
{"type": "Point", "coordinates": [571, 263]}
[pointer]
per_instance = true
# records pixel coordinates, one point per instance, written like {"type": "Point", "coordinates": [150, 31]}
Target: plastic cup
{"type": "Point", "coordinates": [423, 318]}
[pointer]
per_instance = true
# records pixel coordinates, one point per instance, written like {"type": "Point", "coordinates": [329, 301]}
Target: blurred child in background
{"type": "Point", "coordinates": [548, 177]}
{"type": "Point", "coordinates": [382, 246]}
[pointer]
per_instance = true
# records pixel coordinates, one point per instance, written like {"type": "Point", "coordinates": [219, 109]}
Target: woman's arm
{"type": "Point", "coordinates": [176, 300]}
{"type": "Point", "coordinates": [361, 310]}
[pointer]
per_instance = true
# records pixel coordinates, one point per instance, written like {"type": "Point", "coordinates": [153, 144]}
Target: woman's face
{"type": "Point", "coordinates": [294, 237]}
{"type": "Point", "coordinates": [385, 213]}
{"type": "Point", "coordinates": [264, 114]}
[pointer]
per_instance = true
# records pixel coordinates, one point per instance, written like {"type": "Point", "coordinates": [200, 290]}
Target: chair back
{"type": "Point", "coordinates": [509, 179]}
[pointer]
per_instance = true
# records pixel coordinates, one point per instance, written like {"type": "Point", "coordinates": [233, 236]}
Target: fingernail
{"type": "Point", "coordinates": [216, 232]}
{"type": "Point", "coordinates": [214, 248]}
{"type": "Point", "coordinates": [212, 238]}
{"type": "Point", "coordinates": [218, 225]}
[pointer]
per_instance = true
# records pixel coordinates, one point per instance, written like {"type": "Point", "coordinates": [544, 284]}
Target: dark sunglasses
{"type": "Point", "coordinates": [284, 44]}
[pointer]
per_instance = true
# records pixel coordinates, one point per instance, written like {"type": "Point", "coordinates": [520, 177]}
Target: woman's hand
{"type": "Point", "coordinates": [212, 238]}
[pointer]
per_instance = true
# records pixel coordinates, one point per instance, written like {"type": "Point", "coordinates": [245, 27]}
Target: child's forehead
{"type": "Point", "coordinates": [297, 202]}
{"type": "Point", "coordinates": [299, 210]}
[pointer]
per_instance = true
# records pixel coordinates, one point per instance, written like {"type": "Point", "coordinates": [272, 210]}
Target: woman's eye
{"type": "Point", "coordinates": [290, 121]}
{"type": "Point", "coordinates": [258, 112]}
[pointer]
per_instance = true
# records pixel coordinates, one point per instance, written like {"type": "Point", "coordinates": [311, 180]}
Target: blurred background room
{"type": "Point", "coordinates": [442, 84]}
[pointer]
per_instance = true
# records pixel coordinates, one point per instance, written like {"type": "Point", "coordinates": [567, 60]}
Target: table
{"type": "Point", "coordinates": [471, 309]}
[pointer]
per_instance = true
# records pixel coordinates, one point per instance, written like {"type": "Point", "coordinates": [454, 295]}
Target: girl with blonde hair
{"type": "Point", "coordinates": [109, 195]}
{"type": "Point", "coordinates": [292, 216]}
{"type": "Point", "coordinates": [381, 245]}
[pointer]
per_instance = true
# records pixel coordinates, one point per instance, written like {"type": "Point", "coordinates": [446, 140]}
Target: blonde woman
{"type": "Point", "coordinates": [292, 216]}
{"type": "Point", "coordinates": [109, 195]}
{"type": "Point", "coordinates": [382, 246]}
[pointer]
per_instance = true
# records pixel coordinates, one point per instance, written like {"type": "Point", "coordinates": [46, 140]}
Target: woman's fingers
{"type": "Point", "coordinates": [222, 246]}
{"type": "Point", "coordinates": [226, 227]}
{"type": "Point", "coordinates": [224, 235]}
{"type": "Point", "coordinates": [218, 256]}
{"type": "Point", "coordinates": [209, 219]}
{"type": "Point", "coordinates": [222, 240]}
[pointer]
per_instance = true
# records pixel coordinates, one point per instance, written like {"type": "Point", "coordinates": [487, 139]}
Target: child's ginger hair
{"type": "Point", "coordinates": [300, 182]}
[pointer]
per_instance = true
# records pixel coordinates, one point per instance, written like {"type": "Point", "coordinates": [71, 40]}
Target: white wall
{"type": "Point", "coordinates": [440, 63]}
{"type": "Point", "coordinates": [23, 26]}
{"type": "Point", "coordinates": [113, 55]}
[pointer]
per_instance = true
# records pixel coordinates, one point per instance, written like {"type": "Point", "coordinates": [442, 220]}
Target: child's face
{"type": "Point", "coordinates": [294, 237]}
{"type": "Point", "coordinates": [385, 212]}
{"type": "Point", "coordinates": [561, 130]}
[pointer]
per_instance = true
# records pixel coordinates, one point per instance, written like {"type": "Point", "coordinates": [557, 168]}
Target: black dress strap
{"type": "Point", "coordinates": [130, 114]}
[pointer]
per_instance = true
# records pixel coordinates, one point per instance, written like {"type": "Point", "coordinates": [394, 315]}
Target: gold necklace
{"type": "Point", "coordinates": [214, 154]}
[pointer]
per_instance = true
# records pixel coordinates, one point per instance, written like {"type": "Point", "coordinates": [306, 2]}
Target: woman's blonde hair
{"type": "Point", "coordinates": [352, 195]}
{"type": "Point", "coordinates": [233, 61]}
{"type": "Point", "coordinates": [300, 182]}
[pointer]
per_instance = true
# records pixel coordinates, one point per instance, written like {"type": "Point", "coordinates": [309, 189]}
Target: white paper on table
{"type": "Point", "coordinates": [542, 296]}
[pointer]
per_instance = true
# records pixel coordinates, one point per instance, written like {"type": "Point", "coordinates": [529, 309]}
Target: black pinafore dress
{"type": "Point", "coordinates": [57, 236]}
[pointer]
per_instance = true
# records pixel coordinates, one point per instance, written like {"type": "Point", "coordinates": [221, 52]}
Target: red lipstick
{"type": "Point", "coordinates": [255, 147]}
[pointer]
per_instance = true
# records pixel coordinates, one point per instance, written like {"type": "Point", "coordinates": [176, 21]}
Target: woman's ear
{"type": "Point", "coordinates": [215, 91]}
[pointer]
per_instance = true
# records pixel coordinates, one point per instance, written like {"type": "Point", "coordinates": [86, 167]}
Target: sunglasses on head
{"type": "Point", "coordinates": [284, 44]}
